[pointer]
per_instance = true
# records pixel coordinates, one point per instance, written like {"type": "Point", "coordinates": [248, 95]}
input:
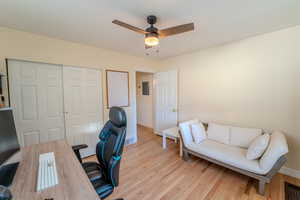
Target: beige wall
{"type": "Point", "coordinates": [32, 47]}
{"type": "Point", "coordinates": [144, 102]}
{"type": "Point", "coordinates": [253, 83]}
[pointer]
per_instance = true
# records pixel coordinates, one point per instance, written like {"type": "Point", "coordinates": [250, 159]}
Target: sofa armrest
{"type": "Point", "coordinates": [276, 149]}
{"type": "Point", "coordinates": [185, 131]}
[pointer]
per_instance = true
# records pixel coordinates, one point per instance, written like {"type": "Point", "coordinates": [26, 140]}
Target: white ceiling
{"type": "Point", "coordinates": [89, 21]}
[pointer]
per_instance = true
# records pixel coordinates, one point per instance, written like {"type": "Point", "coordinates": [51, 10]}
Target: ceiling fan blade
{"type": "Point", "coordinates": [128, 26]}
{"type": "Point", "coordinates": [176, 30]}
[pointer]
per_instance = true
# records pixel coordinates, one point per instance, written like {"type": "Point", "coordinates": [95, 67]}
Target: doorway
{"type": "Point", "coordinates": [144, 99]}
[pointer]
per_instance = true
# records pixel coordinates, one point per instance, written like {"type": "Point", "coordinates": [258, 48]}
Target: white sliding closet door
{"type": "Point", "coordinates": [37, 101]}
{"type": "Point", "coordinates": [83, 106]}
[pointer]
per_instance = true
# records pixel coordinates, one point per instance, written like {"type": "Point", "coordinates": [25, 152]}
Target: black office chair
{"type": "Point", "coordinates": [105, 174]}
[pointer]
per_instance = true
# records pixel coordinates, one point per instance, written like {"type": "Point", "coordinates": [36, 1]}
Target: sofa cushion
{"type": "Point", "coordinates": [219, 133]}
{"type": "Point", "coordinates": [242, 137]}
{"type": "Point", "coordinates": [228, 154]}
{"type": "Point", "coordinates": [198, 132]}
{"type": "Point", "coordinates": [258, 147]}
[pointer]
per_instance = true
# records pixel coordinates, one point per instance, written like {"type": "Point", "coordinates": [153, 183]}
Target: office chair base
{"type": "Point", "coordinates": [98, 179]}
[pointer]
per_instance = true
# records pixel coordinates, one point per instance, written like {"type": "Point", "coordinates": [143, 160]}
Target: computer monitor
{"type": "Point", "coordinates": [9, 145]}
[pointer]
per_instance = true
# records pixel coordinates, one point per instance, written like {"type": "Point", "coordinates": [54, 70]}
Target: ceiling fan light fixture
{"type": "Point", "coordinates": [151, 39]}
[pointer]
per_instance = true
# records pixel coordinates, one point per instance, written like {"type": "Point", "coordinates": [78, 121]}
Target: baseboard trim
{"type": "Point", "coordinates": [157, 133]}
{"type": "Point", "coordinates": [290, 172]}
{"type": "Point", "coordinates": [130, 141]}
{"type": "Point", "coordinates": [146, 127]}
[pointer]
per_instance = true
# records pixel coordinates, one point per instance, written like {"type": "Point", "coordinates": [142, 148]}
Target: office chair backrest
{"type": "Point", "coordinates": [112, 139]}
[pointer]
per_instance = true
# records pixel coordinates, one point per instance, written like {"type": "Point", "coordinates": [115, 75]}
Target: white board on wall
{"type": "Point", "coordinates": [117, 83]}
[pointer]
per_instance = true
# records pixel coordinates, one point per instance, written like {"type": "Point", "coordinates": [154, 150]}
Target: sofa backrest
{"type": "Point", "coordinates": [185, 131]}
{"type": "Point", "coordinates": [242, 137]}
{"type": "Point", "coordinates": [277, 148]}
{"type": "Point", "coordinates": [219, 133]}
{"type": "Point", "coordinates": [236, 136]}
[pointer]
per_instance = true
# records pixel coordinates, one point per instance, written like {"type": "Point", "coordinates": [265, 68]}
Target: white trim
{"type": "Point", "coordinates": [130, 141]}
{"type": "Point", "coordinates": [158, 133]}
{"type": "Point", "coordinates": [290, 172]}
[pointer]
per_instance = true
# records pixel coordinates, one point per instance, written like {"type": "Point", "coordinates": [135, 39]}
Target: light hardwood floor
{"type": "Point", "coordinates": [150, 173]}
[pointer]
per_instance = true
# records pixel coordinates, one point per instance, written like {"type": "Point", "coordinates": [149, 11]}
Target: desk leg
{"type": "Point", "coordinates": [164, 142]}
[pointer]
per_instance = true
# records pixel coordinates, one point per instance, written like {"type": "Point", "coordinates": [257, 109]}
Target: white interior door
{"type": "Point", "coordinates": [83, 106]}
{"type": "Point", "coordinates": [165, 85]}
{"type": "Point", "coordinates": [37, 101]}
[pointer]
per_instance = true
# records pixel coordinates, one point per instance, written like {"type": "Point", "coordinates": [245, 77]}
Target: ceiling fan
{"type": "Point", "coordinates": [152, 34]}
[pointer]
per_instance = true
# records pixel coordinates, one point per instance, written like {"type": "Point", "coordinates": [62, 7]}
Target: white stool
{"type": "Point", "coordinates": [170, 133]}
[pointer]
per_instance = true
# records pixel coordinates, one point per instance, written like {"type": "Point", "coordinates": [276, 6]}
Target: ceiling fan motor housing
{"type": "Point", "coordinates": [151, 34]}
{"type": "Point", "coordinates": [151, 29]}
{"type": "Point", "coordinates": [151, 19]}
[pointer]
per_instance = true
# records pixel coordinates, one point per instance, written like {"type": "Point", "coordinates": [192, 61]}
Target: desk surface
{"type": "Point", "coordinates": [73, 182]}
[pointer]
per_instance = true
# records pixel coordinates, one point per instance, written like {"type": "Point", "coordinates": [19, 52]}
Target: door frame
{"type": "Point", "coordinates": [153, 98]}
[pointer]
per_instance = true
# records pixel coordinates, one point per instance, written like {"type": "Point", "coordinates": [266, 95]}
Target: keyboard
{"type": "Point", "coordinates": [47, 174]}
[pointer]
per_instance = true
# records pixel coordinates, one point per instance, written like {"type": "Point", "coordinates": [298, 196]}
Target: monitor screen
{"type": "Point", "coordinates": [9, 144]}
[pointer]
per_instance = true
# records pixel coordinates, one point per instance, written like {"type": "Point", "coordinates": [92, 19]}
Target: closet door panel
{"type": "Point", "coordinates": [83, 106]}
{"type": "Point", "coordinates": [29, 102]}
{"type": "Point", "coordinates": [37, 101]}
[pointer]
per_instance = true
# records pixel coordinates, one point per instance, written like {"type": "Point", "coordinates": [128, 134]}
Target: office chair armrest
{"type": "Point", "coordinates": [76, 149]}
{"type": "Point", "coordinates": [80, 146]}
